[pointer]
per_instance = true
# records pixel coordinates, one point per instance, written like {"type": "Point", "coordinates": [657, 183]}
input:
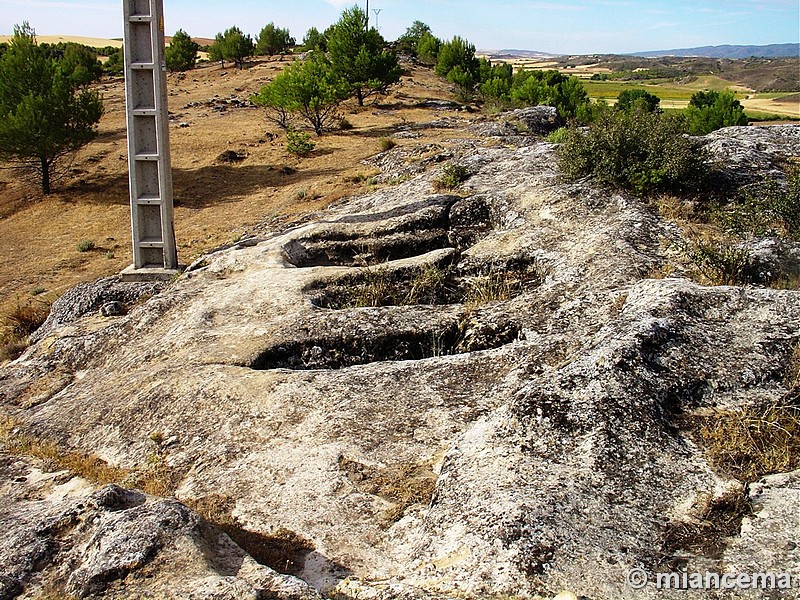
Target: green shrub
{"type": "Point", "coordinates": [85, 246]}
{"type": "Point", "coordinates": [452, 176]}
{"type": "Point", "coordinates": [637, 150]}
{"type": "Point", "coordinates": [557, 136]}
{"type": "Point", "coordinates": [630, 99]}
{"type": "Point", "coordinates": [708, 111]}
{"type": "Point", "coordinates": [298, 143]}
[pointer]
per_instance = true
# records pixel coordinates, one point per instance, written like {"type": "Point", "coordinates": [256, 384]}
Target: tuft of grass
{"type": "Point", "coordinates": [495, 286]}
{"type": "Point", "coordinates": [792, 378]}
{"type": "Point", "coordinates": [155, 478]}
{"type": "Point", "coordinates": [757, 441]}
{"type": "Point", "coordinates": [344, 124]}
{"type": "Point", "coordinates": [15, 441]}
{"type": "Point", "coordinates": [37, 291]}
{"type": "Point", "coordinates": [452, 176]}
{"type": "Point", "coordinates": [386, 143]}
{"type": "Point", "coordinates": [377, 288]}
{"type": "Point", "coordinates": [19, 324]}
{"type": "Point", "coordinates": [85, 246]}
{"type": "Point", "coordinates": [364, 178]}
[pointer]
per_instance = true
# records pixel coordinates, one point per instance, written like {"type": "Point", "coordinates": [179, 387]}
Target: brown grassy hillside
{"type": "Point", "coordinates": [216, 202]}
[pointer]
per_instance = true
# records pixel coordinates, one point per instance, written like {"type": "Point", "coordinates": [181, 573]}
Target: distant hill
{"type": "Point", "coordinates": [77, 39]}
{"type": "Point", "coordinates": [729, 51]}
{"type": "Point", "coordinates": [516, 54]}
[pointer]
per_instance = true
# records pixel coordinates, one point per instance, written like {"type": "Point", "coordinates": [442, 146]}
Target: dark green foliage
{"type": "Point", "coordinates": [638, 150]}
{"type": "Point", "coordinates": [591, 111]}
{"type": "Point", "coordinates": [496, 82]}
{"type": "Point", "coordinates": [309, 88]}
{"type": "Point", "coordinates": [428, 49]}
{"type": "Point", "coordinates": [181, 54]}
{"type": "Point", "coordinates": [532, 88]}
{"type": "Point", "coordinates": [215, 50]}
{"type": "Point", "coordinates": [276, 97]}
{"type": "Point", "coordinates": [359, 58]}
{"type": "Point", "coordinates": [43, 114]}
{"type": "Point", "coordinates": [638, 98]}
{"type": "Point", "coordinates": [232, 45]}
{"type": "Point", "coordinates": [80, 65]}
{"type": "Point", "coordinates": [115, 64]}
{"type": "Point", "coordinates": [409, 41]}
{"type": "Point", "coordinates": [314, 40]}
{"type": "Point", "coordinates": [273, 40]}
{"type": "Point", "coordinates": [708, 111]}
{"type": "Point", "coordinates": [501, 87]}
{"type": "Point", "coordinates": [457, 63]}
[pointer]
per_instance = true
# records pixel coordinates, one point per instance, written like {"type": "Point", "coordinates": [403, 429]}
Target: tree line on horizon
{"type": "Point", "coordinates": [46, 117]}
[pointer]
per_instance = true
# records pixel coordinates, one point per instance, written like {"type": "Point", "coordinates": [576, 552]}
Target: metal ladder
{"type": "Point", "coordinates": [149, 170]}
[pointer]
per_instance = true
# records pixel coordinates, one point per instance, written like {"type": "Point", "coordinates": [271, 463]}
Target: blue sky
{"type": "Point", "coordinates": [571, 27]}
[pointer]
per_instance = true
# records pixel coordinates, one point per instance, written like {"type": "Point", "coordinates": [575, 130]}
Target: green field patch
{"type": "Point", "coordinates": [673, 95]}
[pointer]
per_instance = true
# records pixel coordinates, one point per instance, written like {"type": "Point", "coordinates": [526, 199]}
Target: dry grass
{"type": "Point", "coordinates": [755, 442]}
{"type": "Point", "coordinates": [792, 378]}
{"type": "Point", "coordinates": [156, 477]}
{"type": "Point", "coordinates": [676, 209]}
{"type": "Point", "coordinates": [88, 466]}
{"type": "Point", "coordinates": [214, 201]}
{"type": "Point", "coordinates": [404, 484]}
{"type": "Point", "coordinates": [496, 286]}
{"type": "Point", "coordinates": [18, 324]}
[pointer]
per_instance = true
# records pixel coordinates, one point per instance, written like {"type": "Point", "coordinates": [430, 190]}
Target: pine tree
{"type": "Point", "coordinates": [43, 114]}
{"type": "Point", "coordinates": [273, 40]}
{"type": "Point", "coordinates": [181, 54]}
{"type": "Point", "coordinates": [358, 56]}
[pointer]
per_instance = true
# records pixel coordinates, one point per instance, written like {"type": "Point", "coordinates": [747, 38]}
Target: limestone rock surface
{"type": "Point", "coordinates": [513, 419]}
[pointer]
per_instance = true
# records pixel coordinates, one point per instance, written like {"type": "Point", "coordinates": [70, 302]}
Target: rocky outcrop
{"type": "Point", "coordinates": [513, 411]}
{"type": "Point", "coordinates": [63, 534]}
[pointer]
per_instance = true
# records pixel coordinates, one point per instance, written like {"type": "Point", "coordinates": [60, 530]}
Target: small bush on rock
{"type": "Point", "coordinates": [452, 176]}
{"type": "Point", "coordinates": [636, 150]}
{"type": "Point", "coordinates": [720, 262]}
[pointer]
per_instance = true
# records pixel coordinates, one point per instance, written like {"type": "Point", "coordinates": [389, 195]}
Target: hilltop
{"type": "Point", "coordinates": [730, 51]}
